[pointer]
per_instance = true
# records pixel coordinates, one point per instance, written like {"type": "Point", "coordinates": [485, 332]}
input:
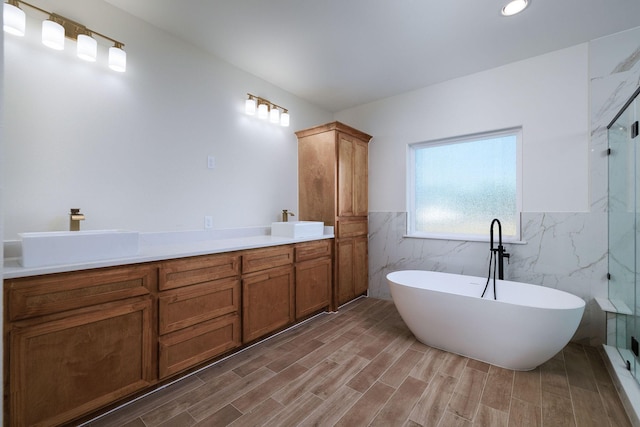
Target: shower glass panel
{"type": "Point", "coordinates": [624, 224]}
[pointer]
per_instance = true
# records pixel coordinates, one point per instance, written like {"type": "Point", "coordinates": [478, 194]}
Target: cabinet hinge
{"type": "Point", "coordinates": [634, 129]}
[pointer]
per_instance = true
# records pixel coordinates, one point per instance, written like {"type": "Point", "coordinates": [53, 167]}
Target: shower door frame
{"type": "Point", "coordinates": [623, 225]}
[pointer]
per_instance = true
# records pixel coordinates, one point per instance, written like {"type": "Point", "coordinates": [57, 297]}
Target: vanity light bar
{"type": "Point", "coordinates": [266, 110]}
{"type": "Point", "coordinates": [56, 28]}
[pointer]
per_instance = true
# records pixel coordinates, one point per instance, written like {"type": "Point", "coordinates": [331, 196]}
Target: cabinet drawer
{"type": "Point", "coordinates": [352, 228]}
{"type": "Point", "coordinates": [262, 259]}
{"type": "Point", "coordinates": [186, 348]}
{"type": "Point", "coordinates": [313, 250]}
{"type": "Point", "coordinates": [187, 306]}
{"type": "Point", "coordinates": [194, 270]}
{"type": "Point", "coordinates": [54, 293]}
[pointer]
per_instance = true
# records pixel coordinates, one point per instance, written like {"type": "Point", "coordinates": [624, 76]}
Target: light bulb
{"type": "Point", "coordinates": [263, 111]}
{"type": "Point", "coordinates": [14, 21]}
{"type": "Point", "coordinates": [117, 59]}
{"type": "Point", "coordinates": [274, 115]}
{"type": "Point", "coordinates": [52, 35]}
{"type": "Point", "coordinates": [87, 47]}
{"type": "Point", "coordinates": [284, 119]}
{"type": "Point", "coordinates": [250, 106]}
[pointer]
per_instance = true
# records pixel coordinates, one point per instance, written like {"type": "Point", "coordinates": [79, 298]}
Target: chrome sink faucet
{"type": "Point", "coordinates": [286, 214]}
{"type": "Point", "coordinates": [74, 219]}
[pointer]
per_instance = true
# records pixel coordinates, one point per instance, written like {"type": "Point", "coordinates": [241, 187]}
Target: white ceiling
{"type": "Point", "coordinates": [342, 53]}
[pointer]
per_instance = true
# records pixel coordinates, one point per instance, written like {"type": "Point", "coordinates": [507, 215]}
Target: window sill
{"type": "Point", "coordinates": [464, 238]}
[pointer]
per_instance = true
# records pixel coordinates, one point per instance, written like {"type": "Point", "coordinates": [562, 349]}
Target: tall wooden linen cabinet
{"type": "Point", "coordinates": [333, 188]}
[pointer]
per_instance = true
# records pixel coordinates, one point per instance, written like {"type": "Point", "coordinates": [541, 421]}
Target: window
{"type": "Point", "coordinates": [458, 185]}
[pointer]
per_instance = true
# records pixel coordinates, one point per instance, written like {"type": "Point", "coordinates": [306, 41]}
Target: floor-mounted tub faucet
{"type": "Point", "coordinates": [74, 220]}
{"type": "Point", "coordinates": [499, 254]}
{"type": "Point", "coordinates": [499, 250]}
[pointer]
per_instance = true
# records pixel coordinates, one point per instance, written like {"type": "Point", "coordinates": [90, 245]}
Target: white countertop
{"type": "Point", "coordinates": [168, 245]}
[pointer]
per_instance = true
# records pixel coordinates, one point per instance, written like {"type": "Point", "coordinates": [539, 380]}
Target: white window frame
{"type": "Point", "coordinates": [411, 208]}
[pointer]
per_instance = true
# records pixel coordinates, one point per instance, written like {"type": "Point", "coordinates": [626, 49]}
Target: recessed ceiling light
{"type": "Point", "coordinates": [514, 7]}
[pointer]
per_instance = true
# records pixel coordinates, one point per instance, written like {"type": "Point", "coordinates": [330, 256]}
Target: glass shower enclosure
{"type": "Point", "coordinates": [624, 230]}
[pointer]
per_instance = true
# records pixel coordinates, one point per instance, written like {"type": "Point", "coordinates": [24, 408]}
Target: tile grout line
{"type": "Point", "coordinates": [511, 397]}
{"type": "Point", "coordinates": [540, 394]}
{"type": "Point", "coordinates": [573, 405]}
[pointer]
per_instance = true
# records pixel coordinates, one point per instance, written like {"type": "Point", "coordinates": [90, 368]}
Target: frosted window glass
{"type": "Point", "coordinates": [461, 186]}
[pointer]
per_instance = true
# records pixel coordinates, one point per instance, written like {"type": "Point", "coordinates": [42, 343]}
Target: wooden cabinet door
{"type": "Point", "coordinates": [67, 367]}
{"type": "Point", "coordinates": [345, 175]}
{"type": "Point", "coordinates": [313, 286]}
{"type": "Point", "coordinates": [267, 302]}
{"type": "Point", "coordinates": [361, 265]}
{"type": "Point", "coordinates": [360, 179]}
{"type": "Point", "coordinates": [352, 268]}
{"type": "Point", "coordinates": [345, 266]}
{"type": "Point", "coordinates": [352, 177]}
{"type": "Point", "coordinates": [317, 178]}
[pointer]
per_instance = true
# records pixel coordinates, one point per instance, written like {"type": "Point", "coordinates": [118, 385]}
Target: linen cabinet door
{"type": "Point", "coordinates": [360, 179]}
{"type": "Point", "coordinates": [346, 176]}
{"type": "Point", "coordinates": [353, 197]}
{"type": "Point", "coordinates": [361, 265]}
{"type": "Point", "coordinates": [345, 271]}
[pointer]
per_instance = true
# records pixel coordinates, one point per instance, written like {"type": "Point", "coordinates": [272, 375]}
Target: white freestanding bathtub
{"type": "Point", "coordinates": [526, 326]}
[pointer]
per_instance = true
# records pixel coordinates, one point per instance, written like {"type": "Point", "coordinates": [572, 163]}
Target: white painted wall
{"type": "Point", "coordinates": [546, 95]}
{"type": "Point", "coordinates": [130, 149]}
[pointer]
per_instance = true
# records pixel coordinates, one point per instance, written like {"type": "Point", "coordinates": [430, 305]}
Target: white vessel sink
{"type": "Point", "coordinates": [70, 247]}
{"type": "Point", "coordinates": [297, 229]}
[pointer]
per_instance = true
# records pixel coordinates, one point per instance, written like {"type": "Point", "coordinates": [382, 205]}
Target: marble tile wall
{"type": "Point", "coordinates": [567, 251]}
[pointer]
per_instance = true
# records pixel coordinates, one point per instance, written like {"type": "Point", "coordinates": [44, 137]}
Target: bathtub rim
{"type": "Point", "coordinates": [578, 302]}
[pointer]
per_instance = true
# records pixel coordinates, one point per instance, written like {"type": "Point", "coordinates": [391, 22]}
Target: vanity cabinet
{"type": "Point", "coordinates": [199, 310]}
{"type": "Point", "coordinates": [78, 341]}
{"type": "Point", "coordinates": [267, 291]}
{"type": "Point", "coordinates": [333, 188]}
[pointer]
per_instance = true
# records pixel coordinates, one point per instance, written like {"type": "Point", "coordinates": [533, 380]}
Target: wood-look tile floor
{"type": "Point", "coordinates": [362, 366]}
